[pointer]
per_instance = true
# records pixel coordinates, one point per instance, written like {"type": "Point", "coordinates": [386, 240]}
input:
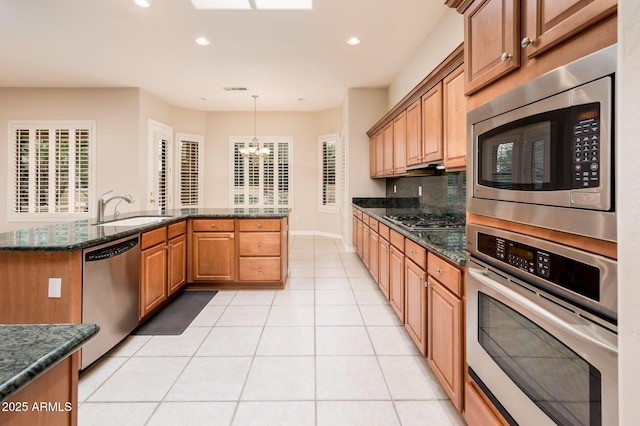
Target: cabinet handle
{"type": "Point", "coordinates": [426, 283]}
{"type": "Point", "coordinates": [259, 225]}
{"type": "Point", "coordinates": [438, 270]}
{"type": "Point", "coordinates": [505, 57]}
{"type": "Point", "coordinates": [213, 225]}
{"type": "Point", "coordinates": [259, 244]}
{"type": "Point", "coordinates": [526, 42]}
{"type": "Point", "coordinates": [259, 269]}
{"type": "Point", "coordinates": [231, 237]}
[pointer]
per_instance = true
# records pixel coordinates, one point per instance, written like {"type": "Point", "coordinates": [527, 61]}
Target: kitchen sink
{"type": "Point", "coordinates": [134, 221]}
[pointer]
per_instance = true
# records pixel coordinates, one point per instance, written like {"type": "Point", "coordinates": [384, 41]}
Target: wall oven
{"type": "Point", "coordinates": [543, 154]}
{"type": "Point", "coordinates": [542, 329]}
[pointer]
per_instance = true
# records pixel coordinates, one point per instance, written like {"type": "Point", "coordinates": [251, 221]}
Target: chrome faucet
{"type": "Point", "coordinates": [105, 198]}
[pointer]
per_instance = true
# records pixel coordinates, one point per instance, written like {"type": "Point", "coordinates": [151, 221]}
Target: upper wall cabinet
{"type": "Point", "coordinates": [414, 134]}
{"type": "Point", "coordinates": [454, 121]}
{"type": "Point", "coordinates": [500, 36]}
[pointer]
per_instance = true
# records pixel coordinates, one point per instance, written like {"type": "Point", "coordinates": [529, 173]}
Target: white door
{"type": "Point", "coordinates": [160, 188]}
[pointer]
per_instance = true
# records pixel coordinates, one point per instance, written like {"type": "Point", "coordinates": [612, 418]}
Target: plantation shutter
{"type": "Point", "coordinates": [163, 146]}
{"type": "Point", "coordinates": [189, 173]}
{"type": "Point", "coordinates": [329, 173]}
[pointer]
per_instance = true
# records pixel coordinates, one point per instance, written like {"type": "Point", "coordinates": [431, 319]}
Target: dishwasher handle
{"type": "Point", "coordinates": [111, 251]}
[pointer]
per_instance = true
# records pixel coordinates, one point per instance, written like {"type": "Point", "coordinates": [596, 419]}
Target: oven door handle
{"type": "Point", "coordinates": [533, 307]}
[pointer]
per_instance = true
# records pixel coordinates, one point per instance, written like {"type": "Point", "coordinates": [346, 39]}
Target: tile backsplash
{"type": "Point", "coordinates": [448, 190]}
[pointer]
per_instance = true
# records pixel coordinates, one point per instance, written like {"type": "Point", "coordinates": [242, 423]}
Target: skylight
{"type": "Point", "coordinates": [259, 4]}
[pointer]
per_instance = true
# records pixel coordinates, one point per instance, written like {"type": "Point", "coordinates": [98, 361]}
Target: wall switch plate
{"type": "Point", "coordinates": [55, 288]}
{"type": "Point", "coordinates": [394, 189]}
{"type": "Point", "coordinates": [420, 191]}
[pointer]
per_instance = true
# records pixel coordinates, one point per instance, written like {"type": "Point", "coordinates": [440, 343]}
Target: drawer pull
{"type": "Point", "coordinates": [259, 244]}
{"type": "Point", "coordinates": [231, 237]}
{"type": "Point", "coordinates": [438, 270]}
{"type": "Point", "coordinates": [259, 225]}
{"type": "Point", "coordinates": [505, 57]}
{"type": "Point", "coordinates": [213, 225]}
{"type": "Point", "coordinates": [259, 269]}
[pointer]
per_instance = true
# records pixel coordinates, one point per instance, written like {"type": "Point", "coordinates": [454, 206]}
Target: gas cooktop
{"type": "Point", "coordinates": [424, 221]}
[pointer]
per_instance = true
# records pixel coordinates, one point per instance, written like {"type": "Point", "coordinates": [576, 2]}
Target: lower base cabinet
{"type": "Point", "coordinates": [416, 304]}
{"type": "Point", "coordinates": [477, 412]}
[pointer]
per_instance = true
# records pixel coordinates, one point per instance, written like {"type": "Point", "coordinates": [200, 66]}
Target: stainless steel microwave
{"type": "Point", "coordinates": [543, 154]}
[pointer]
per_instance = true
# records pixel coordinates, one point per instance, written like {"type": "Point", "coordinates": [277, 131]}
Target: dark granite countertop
{"type": "Point", "coordinates": [85, 233]}
{"type": "Point", "coordinates": [448, 243]}
{"type": "Point", "coordinates": [27, 351]}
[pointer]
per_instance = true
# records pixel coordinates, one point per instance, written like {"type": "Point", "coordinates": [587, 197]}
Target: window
{"type": "Point", "coordinates": [329, 169]}
{"type": "Point", "coordinates": [190, 158]}
{"type": "Point", "coordinates": [50, 170]}
{"type": "Point", "coordinates": [161, 159]}
{"type": "Point", "coordinates": [261, 182]}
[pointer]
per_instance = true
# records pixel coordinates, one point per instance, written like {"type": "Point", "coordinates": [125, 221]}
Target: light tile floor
{"type": "Point", "coordinates": [326, 350]}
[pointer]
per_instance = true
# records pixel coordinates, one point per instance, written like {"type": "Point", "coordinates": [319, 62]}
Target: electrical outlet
{"type": "Point", "coordinates": [55, 288]}
{"type": "Point", "coordinates": [297, 218]}
{"type": "Point", "coordinates": [394, 189]}
{"type": "Point", "coordinates": [419, 190]}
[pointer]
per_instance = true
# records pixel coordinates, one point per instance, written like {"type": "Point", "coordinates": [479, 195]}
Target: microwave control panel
{"type": "Point", "coordinates": [586, 145]}
{"type": "Point", "coordinates": [551, 267]}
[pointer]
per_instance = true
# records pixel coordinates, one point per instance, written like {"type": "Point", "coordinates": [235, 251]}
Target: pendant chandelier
{"type": "Point", "coordinates": [254, 152]}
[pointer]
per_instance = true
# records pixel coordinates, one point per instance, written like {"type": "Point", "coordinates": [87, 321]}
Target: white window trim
{"type": "Point", "coordinates": [199, 139]}
{"type": "Point", "coordinates": [261, 141]}
{"type": "Point", "coordinates": [156, 127]}
{"type": "Point", "coordinates": [335, 207]}
{"type": "Point", "coordinates": [44, 124]}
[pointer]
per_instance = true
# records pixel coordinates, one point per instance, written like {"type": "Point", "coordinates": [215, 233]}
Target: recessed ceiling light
{"type": "Point", "coordinates": [221, 4]}
{"type": "Point", "coordinates": [202, 41]}
{"type": "Point", "coordinates": [143, 3]}
{"type": "Point", "coordinates": [353, 41]}
{"type": "Point", "coordinates": [284, 4]}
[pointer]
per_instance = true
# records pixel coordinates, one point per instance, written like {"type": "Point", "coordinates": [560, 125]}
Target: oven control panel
{"type": "Point", "coordinates": [557, 269]}
{"type": "Point", "coordinates": [586, 146]}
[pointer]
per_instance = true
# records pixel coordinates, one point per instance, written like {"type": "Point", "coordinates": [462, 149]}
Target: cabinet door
{"type": "Point", "coordinates": [365, 244]}
{"type": "Point", "coordinates": [373, 255]}
{"type": "Point", "coordinates": [213, 256]}
{"type": "Point", "coordinates": [432, 150]}
{"type": "Point", "coordinates": [445, 339]}
{"type": "Point", "coordinates": [549, 22]}
{"type": "Point", "coordinates": [416, 305]}
{"type": "Point", "coordinates": [388, 142]}
{"type": "Point", "coordinates": [396, 281]}
{"type": "Point", "coordinates": [455, 120]}
{"type": "Point", "coordinates": [372, 156]}
{"type": "Point", "coordinates": [400, 143]}
{"type": "Point", "coordinates": [380, 153]}
{"type": "Point", "coordinates": [384, 254]}
{"type": "Point", "coordinates": [359, 237]}
{"type": "Point", "coordinates": [177, 263]}
{"type": "Point", "coordinates": [491, 41]}
{"type": "Point", "coordinates": [414, 133]}
{"type": "Point", "coordinates": [153, 279]}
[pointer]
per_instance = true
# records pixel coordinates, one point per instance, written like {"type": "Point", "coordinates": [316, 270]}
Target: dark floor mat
{"type": "Point", "coordinates": [174, 318]}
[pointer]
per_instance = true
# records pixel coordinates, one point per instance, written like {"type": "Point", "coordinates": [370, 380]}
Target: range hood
{"type": "Point", "coordinates": [433, 169]}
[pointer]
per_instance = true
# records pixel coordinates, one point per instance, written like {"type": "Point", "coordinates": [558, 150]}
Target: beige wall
{"type": "Point", "coordinates": [304, 128]}
{"type": "Point", "coordinates": [115, 112]}
{"type": "Point", "coordinates": [441, 41]}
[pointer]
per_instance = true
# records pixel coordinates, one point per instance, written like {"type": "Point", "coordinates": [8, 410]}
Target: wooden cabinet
{"type": "Point", "coordinates": [359, 237]}
{"type": "Point", "coordinates": [432, 148]}
{"type": "Point", "coordinates": [372, 156]}
{"type": "Point", "coordinates": [387, 150]}
{"type": "Point", "coordinates": [163, 262]}
{"type": "Point", "coordinates": [259, 250]}
{"type": "Point", "coordinates": [396, 274]}
{"type": "Point", "coordinates": [491, 43]}
{"type": "Point", "coordinates": [455, 121]}
{"type": "Point", "coordinates": [380, 154]}
{"type": "Point", "coordinates": [550, 22]}
{"type": "Point", "coordinates": [414, 133]}
{"type": "Point", "coordinates": [495, 44]}
{"type": "Point", "coordinates": [400, 143]}
{"type": "Point", "coordinates": [384, 266]}
{"type": "Point", "coordinates": [446, 326]}
{"type": "Point", "coordinates": [477, 411]}
{"type": "Point", "coordinates": [415, 293]}
{"type": "Point", "coordinates": [212, 251]}
{"type": "Point", "coordinates": [373, 249]}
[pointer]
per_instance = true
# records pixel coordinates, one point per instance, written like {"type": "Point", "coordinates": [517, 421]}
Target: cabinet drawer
{"type": "Point", "coordinates": [176, 229]}
{"type": "Point", "coordinates": [152, 238]}
{"type": "Point", "coordinates": [208, 225]}
{"type": "Point", "coordinates": [396, 239]}
{"type": "Point", "coordinates": [383, 230]}
{"type": "Point", "coordinates": [447, 274]}
{"type": "Point", "coordinates": [365, 218]}
{"type": "Point", "coordinates": [259, 244]}
{"type": "Point", "coordinates": [373, 224]}
{"type": "Point", "coordinates": [416, 252]}
{"type": "Point", "coordinates": [259, 225]}
{"type": "Point", "coordinates": [358, 213]}
{"type": "Point", "coordinates": [260, 269]}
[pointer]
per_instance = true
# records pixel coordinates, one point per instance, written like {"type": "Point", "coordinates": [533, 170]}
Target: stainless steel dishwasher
{"type": "Point", "coordinates": [110, 293]}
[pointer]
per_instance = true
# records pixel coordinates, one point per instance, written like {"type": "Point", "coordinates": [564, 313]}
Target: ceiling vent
{"type": "Point", "coordinates": [235, 89]}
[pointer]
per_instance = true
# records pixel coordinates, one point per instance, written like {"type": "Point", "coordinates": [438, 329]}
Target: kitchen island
{"type": "Point", "coordinates": [39, 372]}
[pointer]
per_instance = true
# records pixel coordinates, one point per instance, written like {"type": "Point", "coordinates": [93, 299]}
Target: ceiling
{"type": "Point", "coordinates": [293, 60]}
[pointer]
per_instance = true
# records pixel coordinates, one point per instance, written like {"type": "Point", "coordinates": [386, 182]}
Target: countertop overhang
{"type": "Point", "coordinates": [81, 234]}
